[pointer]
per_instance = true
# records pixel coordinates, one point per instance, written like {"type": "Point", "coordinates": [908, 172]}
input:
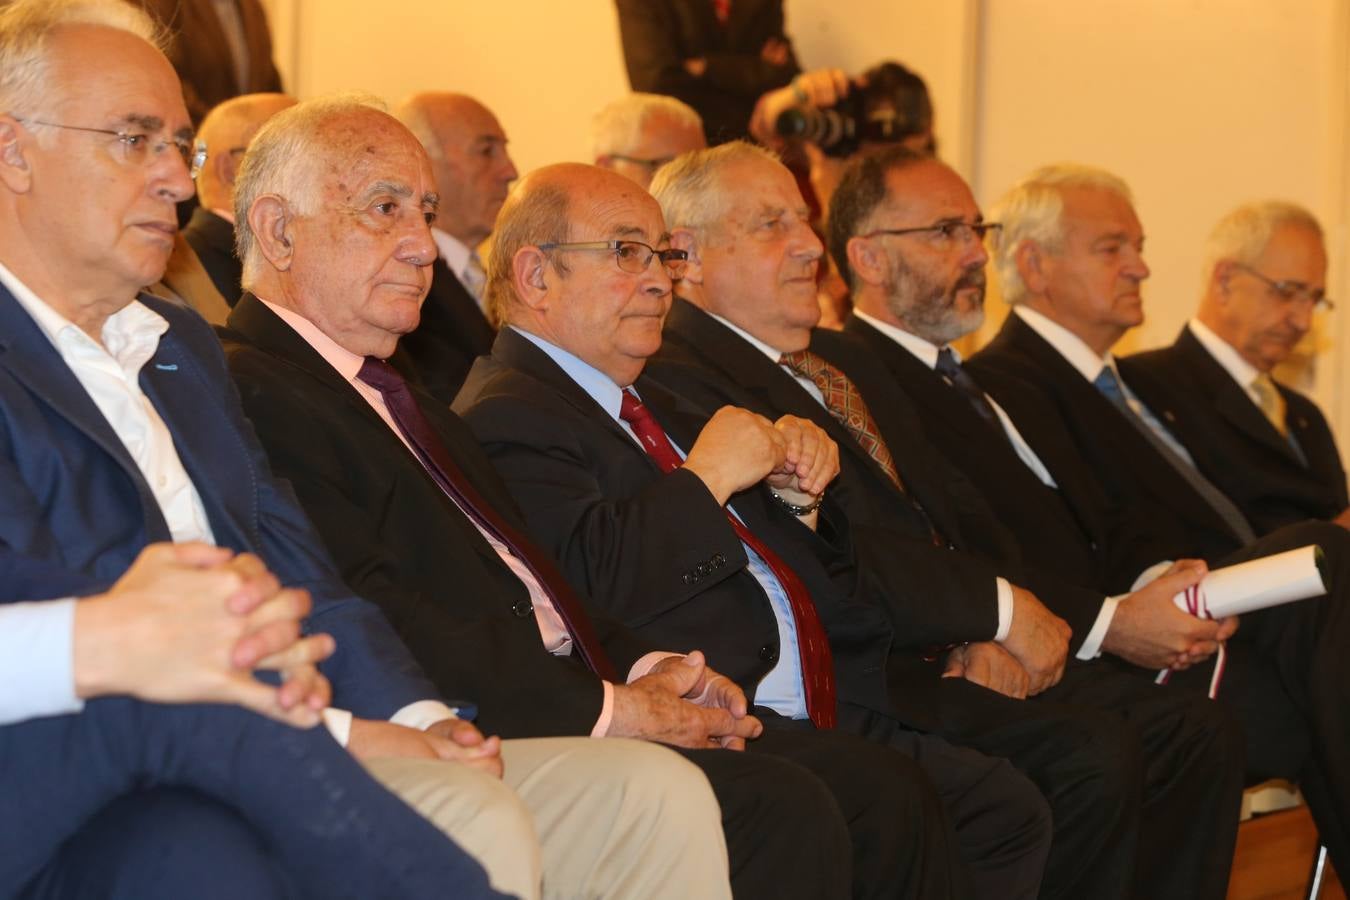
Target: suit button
{"type": "Point", "coordinates": [687, 578]}
{"type": "Point", "coordinates": [719, 561]}
{"type": "Point", "coordinates": [522, 608]}
{"type": "Point", "coordinates": [704, 569]}
{"type": "Point", "coordinates": [769, 653]}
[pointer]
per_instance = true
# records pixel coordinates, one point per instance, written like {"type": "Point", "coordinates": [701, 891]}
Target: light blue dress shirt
{"type": "Point", "coordinates": [781, 690]}
{"type": "Point", "coordinates": [36, 660]}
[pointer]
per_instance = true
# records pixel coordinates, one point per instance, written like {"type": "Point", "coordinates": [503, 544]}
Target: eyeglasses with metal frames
{"type": "Point", "coordinates": [945, 231]}
{"type": "Point", "coordinates": [632, 256]}
{"type": "Point", "coordinates": [139, 149]}
{"type": "Point", "coordinates": [651, 165]}
{"type": "Point", "coordinates": [1291, 291]}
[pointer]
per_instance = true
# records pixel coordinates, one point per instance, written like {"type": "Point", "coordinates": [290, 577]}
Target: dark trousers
{"type": "Point", "coordinates": [1002, 824]}
{"type": "Point", "coordinates": [1144, 785]}
{"type": "Point", "coordinates": [1288, 682]}
{"type": "Point", "coordinates": [137, 800]}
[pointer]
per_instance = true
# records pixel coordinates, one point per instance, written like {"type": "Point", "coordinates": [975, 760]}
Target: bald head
{"type": "Point", "coordinates": [226, 131]}
{"type": "Point", "coordinates": [468, 154]}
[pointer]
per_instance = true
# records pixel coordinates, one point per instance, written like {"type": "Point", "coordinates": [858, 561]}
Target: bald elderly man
{"type": "Point", "coordinates": [473, 172]}
{"type": "Point", "coordinates": [224, 134]}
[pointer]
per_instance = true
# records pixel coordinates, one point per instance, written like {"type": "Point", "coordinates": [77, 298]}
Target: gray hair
{"type": "Point", "coordinates": [618, 126]}
{"type": "Point", "coordinates": [690, 188]}
{"type": "Point", "coordinates": [280, 160]}
{"type": "Point", "coordinates": [1242, 234]}
{"type": "Point", "coordinates": [27, 25]}
{"type": "Point", "coordinates": [1033, 209]}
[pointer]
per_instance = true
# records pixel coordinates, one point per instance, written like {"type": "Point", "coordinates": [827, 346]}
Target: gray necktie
{"type": "Point", "coordinates": [1155, 433]}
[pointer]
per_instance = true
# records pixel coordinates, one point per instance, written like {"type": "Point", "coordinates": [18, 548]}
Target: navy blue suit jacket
{"type": "Point", "coordinates": [73, 500]}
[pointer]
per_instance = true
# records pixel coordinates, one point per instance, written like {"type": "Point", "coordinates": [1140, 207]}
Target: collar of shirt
{"type": "Point", "coordinates": [347, 363]}
{"type": "Point", "coordinates": [771, 352]}
{"type": "Point", "coordinates": [226, 214]}
{"type": "Point", "coordinates": [597, 385]}
{"type": "Point", "coordinates": [454, 251]}
{"type": "Point", "coordinates": [1070, 346]}
{"type": "Point", "coordinates": [1243, 372]}
{"type": "Point", "coordinates": [926, 352]}
{"type": "Point", "coordinates": [130, 335]}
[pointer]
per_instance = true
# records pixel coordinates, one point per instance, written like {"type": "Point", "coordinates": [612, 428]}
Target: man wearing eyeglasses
{"type": "Point", "coordinates": [1265, 445]}
{"type": "Point", "coordinates": [1070, 260]}
{"type": "Point", "coordinates": [639, 133]}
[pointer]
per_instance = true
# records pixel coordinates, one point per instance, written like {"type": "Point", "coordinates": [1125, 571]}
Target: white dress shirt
{"type": "Point", "coordinates": [456, 255]}
{"type": "Point", "coordinates": [1241, 371]}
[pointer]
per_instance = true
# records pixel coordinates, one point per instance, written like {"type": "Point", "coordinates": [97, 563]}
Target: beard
{"type": "Point", "coordinates": [929, 308]}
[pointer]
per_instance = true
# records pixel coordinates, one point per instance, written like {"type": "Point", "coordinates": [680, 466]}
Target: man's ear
{"type": "Point", "coordinates": [273, 227]}
{"type": "Point", "coordinates": [226, 167]}
{"type": "Point", "coordinates": [14, 171]}
{"type": "Point", "coordinates": [867, 261]}
{"type": "Point", "coordinates": [530, 277]}
{"type": "Point", "coordinates": [1030, 260]}
{"type": "Point", "coordinates": [1223, 272]}
{"type": "Point", "coordinates": [687, 240]}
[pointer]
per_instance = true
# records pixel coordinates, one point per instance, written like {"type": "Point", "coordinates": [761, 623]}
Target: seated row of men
{"type": "Point", "coordinates": [662, 507]}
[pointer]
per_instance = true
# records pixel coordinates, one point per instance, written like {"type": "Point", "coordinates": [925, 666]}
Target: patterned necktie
{"type": "Point", "coordinates": [1109, 386]}
{"type": "Point", "coordinates": [959, 378]}
{"type": "Point", "coordinates": [474, 277]}
{"type": "Point", "coordinates": [437, 460]}
{"type": "Point", "coordinates": [1272, 402]}
{"type": "Point", "coordinates": [813, 648]}
{"type": "Point", "coordinates": [845, 403]}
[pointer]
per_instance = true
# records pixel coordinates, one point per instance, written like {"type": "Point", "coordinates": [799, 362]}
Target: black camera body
{"type": "Point", "coordinates": [886, 105]}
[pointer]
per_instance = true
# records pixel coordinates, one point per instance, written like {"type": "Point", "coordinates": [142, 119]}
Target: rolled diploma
{"type": "Point", "coordinates": [1256, 584]}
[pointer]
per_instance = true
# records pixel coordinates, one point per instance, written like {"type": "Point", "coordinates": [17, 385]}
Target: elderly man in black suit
{"type": "Point", "coordinates": [1070, 260]}
{"type": "Point", "coordinates": [1263, 444]}
{"type": "Point", "coordinates": [473, 172]}
{"type": "Point", "coordinates": [417, 518]}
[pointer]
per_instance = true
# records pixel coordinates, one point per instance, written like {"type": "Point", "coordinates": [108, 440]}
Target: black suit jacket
{"type": "Point", "coordinates": [659, 35]}
{"type": "Point", "coordinates": [657, 550]}
{"type": "Point", "coordinates": [1234, 444]}
{"type": "Point", "coordinates": [212, 238]}
{"type": "Point", "coordinates": [451, 335]}
{"type": "Point", "coordinates": [403, 544]}
{"type": "Point", "coordinates": [1132, 472]}
{"type": "Point", "coordinates": [1072, 530]}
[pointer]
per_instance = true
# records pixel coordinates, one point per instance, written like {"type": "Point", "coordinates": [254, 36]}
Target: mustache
{"type": "Point", "coordinates": [975, 278]}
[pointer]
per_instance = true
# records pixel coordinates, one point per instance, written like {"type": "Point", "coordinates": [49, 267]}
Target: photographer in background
{"type": "Point", "coordinates": [821, 120]}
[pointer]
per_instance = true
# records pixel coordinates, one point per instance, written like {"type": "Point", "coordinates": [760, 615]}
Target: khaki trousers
{"type": "Point", "coordinates": [576, 818]}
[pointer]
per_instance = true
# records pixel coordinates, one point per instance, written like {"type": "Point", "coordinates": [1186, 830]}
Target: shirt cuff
{"type": "Point", "coordinates": [1005, 608]}
{"type": "Point", "coordinates": [422, 714]}
{"type": "Point", "coordinates": [1092, 644]}
{"type": "Point", "coordinates": [644, 665]}
{"type": "Point", "coordinates": [339, 724]}
{"type": "Point", "coordinates": [37, 669]}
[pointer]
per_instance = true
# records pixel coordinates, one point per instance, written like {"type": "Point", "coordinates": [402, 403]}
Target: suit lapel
{"type": "Point", "coordinates": [452, 311]}
{"type": "Point", "coordinates": [27, 354]}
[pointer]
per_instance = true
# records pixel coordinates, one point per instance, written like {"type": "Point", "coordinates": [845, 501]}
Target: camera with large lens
{"type": "Point", "coordinates": [887, 105]}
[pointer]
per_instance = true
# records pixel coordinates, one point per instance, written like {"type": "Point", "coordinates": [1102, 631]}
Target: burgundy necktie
{"type": "Point", "coordinates": [722, 9]}
{"type": "Point", "coordinates": [813, 647]}
{"type": "Point", "coordinates": [436, 459]}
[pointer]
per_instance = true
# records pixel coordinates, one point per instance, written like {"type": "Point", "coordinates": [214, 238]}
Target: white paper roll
{"type": "Point", "coordinates": [1256, 584]}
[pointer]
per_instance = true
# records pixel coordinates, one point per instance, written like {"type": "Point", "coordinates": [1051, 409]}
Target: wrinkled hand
{"type": "Point", "coordinates": [1148, 629]}
{"type": "Point", "coordinates": [683, 702]}
{"type": "Point", "coordinates": [201, 620]}
{"type": "Point", "coordinates": [810, 461]}
{"type": "Point", "coordinates": [989, 665]}
{"type": "Point", "coordinates": [735, 450]}
{"type": "Point", "coordinates": [1039, 640]}
{"type": "Point", "coordinates": [818, 88]}
{"type": "Point", "coordinates": [454, 740]}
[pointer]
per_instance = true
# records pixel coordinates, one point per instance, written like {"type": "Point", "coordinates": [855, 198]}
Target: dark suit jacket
{"type": "Point", "coordinates": [451, 335]}
{"type": "Point", "coordinates": [402, 543]}
{"type": "Point", "coordinates": [703, 360]}
{"type": "Point", "coordinates": [1234, 444]}
{"type": "Point", "coordinates": [1073, 531]}
{"type": "Point", "coordinates": [659, 35]}
{"type": "Point", "coordinates": [72, 497]}
{"type": "Point", "coordinates": [212, 238]}
{"type": "Point", "coordinates": [201, 55]}
{"type": "Point", "coordinates": [657, 550]}
{"type": "Point", "coordinates": [1133, 474]}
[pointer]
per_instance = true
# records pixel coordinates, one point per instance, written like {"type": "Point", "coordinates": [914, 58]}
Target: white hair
{"type": "Point", "coordinates": [690, 189]}
{"type": "Point", "coordinates": [1033, 209]}
{"type": "Point", "coordinates": [281, 160]}
{"type": "Point", "coordinates": [618, 127]}
{"type": "Point", "coordinates": [26, 27]}
{"type": "Point", "coordinates": [1242, 234]}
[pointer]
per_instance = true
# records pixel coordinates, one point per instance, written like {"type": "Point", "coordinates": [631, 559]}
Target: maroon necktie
{"type": "Point", "coordinates": [812, 645]}
{"type": "Point", "coordinates": [722, 9]}
{"type": "Point", "coordinates": [436, 459]}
